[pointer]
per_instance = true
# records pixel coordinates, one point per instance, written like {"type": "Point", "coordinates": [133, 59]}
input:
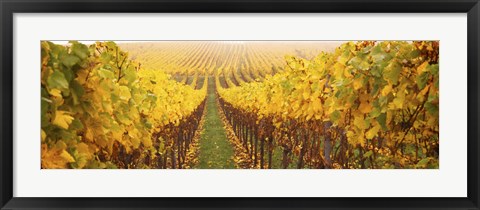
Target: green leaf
{"type": "Point", "coordinates": [378, 55]}
{"type": "Point", "coordinates": [123, 119]}
{"type": "Point", "coordinates": [57, 80]}
{"type": "Point", "coordinates": [415, 53]}
{"type": "Point", "coordinates": [125, 93]}
{"type": "Point", "coordinates": [77, 89]}
{"type": "Point", "coordinates": [105, 74]}
{"type": "Point", "coordinates": [392, 72]}
{"type": "Point", "coordinates": [130, 75]}
{"type": "Point", "coordinates": [431, 108]}
{"type": "Point", "coordinates": [76, 125]}
{"type": "Point", "coordinates": [359, 63]}
{"type": "Point", "coordinates": [80, 50]}
{"type": "Point", "coordinates": [375, 112]}
{"type": "Point", "coordinates": [114, 97]}
{"type": "Point", "coordinates": [344, 57]}
{"type": "Point", "coordinates": [433, 69]}
{"type": "Point", "coordinates": [110, 165]}
{"type": "Point", "coordinates": [407, 51]}
{"type": "Point", "coordinates": [77, 92]}
{"type": "Point", "coordinates": [70, 60]}
{"type": "Point", "coordinates": [106, 57]}
{"type": "Point", "coordinates": [335, 116]}
{"type": "Point", "coordinates": [111, 44]}
{"type": "Point", "coordinates": [356, 153]}
{"type": "Point", "coordinates": [382, 120]}
{"type": "Point", "coordinates": [368, 154]}
{"type": "Point", "coordinates": [422, 80]}
{"type": "Point", "coordinates": [69, 75]}
{"type": "Point", "coordinates": [423, 163]}
{"type": "Point", "coordinates": [148, 124]}
{"type": "Point", "coordinates": [117, 127]}
{"type": "Point", "coordinates": [44, 109]}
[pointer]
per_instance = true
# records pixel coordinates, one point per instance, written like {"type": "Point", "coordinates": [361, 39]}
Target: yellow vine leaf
{"type": "Point", "coordinates": [365, 107]}
{"type": "Point", "coordinates": [317, 106]}
{"type": "Point", "coordinates": [421, 95]}
{"type": "Point", "coordinates": [55, 157]}
{"type": "Point", "coordinates": [89, 134]}
{"type": "Point", "coordinates": [347, 73]}
{"type": "Point", "coordinates": [83, 148]}
{"type": "Point", "coordinates": [118, 135]}
{"type": "Point", "coordinates": [44, 135]}
{"type": "Point", "coordinates": [373, 131]}
{"type": "Point", "coordinates": [62, 119]}
{"type": "Point", "coordinates": [82, 76]}
{"type": "Point", "coordinates": [56, 92]}
{"type": "Point", "coordinates": [359, 138]}
{"type": "Point", "coordinates": [359, 121]}
{"type": "Point", "coordinates": [386, 90]}
{"type": "Point", "coordinates": [357, 84]}
{"type": "Point", "coordinates": [399, 100]}
{"type": "Point", "coordinates": [350, 134]}
{"type": "Point", "coordinates": [125, 93]}
{"type": "Point", "coordinates": [422, 67]}
{"type": "Point", "coordinates": [84, 155]}
{"type": "Point", "coordinates": [306, 93]}
{"type": "Point", "coordinates": [338, 67]}
{"type": "Point", "coordinates": [147, 141]}
{"type": "Point", "coordinates": [433, 122]}
{"type": "Point", "coordinates": [67, 157]}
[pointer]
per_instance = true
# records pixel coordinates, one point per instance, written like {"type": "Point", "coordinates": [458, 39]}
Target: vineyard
{"type": "Point", "coordinates": [240, 104]}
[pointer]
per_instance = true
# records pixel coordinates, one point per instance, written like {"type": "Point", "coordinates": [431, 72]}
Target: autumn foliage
{"type": "Point", "coordinates": [101, 110]}
{"type": "Point", "coordinates": [367, 105]}
{"type": "Point", "coordinates": [364, 105]}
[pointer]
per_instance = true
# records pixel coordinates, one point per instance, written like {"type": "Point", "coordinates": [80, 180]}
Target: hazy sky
{"type": "Point", "coordinates": [118, 42]}
{"type": "Point", "coordinates": [91, 42]}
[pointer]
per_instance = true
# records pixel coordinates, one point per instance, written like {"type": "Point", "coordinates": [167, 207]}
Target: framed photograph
{"type": "Point", "coordinates": [239, 104]}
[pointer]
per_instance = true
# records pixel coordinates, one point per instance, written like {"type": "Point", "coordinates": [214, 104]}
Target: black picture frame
{"type": "Point", "coordinates": [10, 7]}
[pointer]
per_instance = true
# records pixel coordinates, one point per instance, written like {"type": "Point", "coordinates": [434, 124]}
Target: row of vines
{"type": "Point", "coordinates": [100, 109]}
{"type": "Point", "coordinates": [366, 105]}
{"type": "Point", "coordinates": [244, 60]}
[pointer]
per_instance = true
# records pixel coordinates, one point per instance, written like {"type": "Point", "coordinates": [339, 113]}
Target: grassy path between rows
{"type": "Point", "coordinates": [215, 150]}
